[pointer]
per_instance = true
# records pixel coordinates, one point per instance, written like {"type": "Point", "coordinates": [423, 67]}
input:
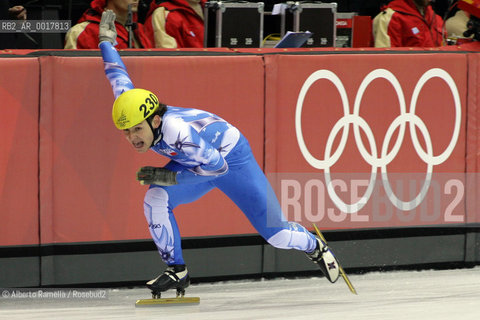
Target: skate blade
{"type": "Point", "coordinates": [342, 272]}
{"type": "Point", "coordinates": [167, 301]}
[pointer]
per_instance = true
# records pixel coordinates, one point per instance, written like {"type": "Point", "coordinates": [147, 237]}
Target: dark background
{"type": "Point", "coordinates": [73, 9]}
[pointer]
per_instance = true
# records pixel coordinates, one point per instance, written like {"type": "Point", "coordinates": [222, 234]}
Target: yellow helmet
{"type": "Point", "coordinates": [132, 107]}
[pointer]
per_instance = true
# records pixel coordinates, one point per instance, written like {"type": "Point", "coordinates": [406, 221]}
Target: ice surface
{"type": "Point", "coordinates": [424, 295]}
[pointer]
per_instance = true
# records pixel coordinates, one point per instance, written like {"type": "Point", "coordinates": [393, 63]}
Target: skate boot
{"type": "Point", "coordinates": [175, 276]}
{"type": "Point", "coordinates": [325, 259]}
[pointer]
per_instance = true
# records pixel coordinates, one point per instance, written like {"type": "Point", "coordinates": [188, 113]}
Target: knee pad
{"type": "Point", "coordinates": [156, 199]}
{"type": "Point", "coordinates": [280, 239]}
{"type": "Point", "coordinates": [156, 196]}
{"type": "Point", "coordinates": [296, 237]}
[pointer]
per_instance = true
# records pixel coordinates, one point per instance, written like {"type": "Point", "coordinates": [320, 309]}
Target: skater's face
{"type": "Point", "coordinates": [141, 135]}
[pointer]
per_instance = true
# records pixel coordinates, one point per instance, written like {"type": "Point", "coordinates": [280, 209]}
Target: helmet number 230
{"type": "Point", "coordinates": [150, 103]}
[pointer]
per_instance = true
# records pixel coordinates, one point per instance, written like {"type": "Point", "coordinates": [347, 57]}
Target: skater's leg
{"type": "Point", "coordinates": [158, 206]}
{"type": "Point", "coordinates": [248, 187]}
{"type": "Point", "coordinates": [162, 225]}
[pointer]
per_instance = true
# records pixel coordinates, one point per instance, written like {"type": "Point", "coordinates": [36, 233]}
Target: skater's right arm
{"type": "Point", "coordinates": [115, 70]}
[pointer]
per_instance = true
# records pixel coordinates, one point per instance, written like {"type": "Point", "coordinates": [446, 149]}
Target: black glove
{"type": "Point", "coordinates": [158, 176]}
{"type": "Point", "coordinates": [107, 31]}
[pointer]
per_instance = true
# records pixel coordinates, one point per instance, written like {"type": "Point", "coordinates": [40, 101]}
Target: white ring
{"type": "Point", "coordinates": [387, 75]}
{"type": "Point", "coordinates": [354, 207]}
{"type": "Point", "coordinates": [400, 204]}
{"type": "Point", "coordinates": [442, 74]}
{"type": "Point", "coordinates": [317, 75]}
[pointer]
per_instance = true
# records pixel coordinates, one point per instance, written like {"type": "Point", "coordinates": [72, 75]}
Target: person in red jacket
{"type": "Point", "coordinates": [176, 23]}
{"type": "Point", "coordinates": [84, 35]}
{"type": "Point", "coordinates": [408, 23]}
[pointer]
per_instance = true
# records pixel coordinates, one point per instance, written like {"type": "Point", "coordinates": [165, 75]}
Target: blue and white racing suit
{"type": "Point", "coordinates": [206, 152]}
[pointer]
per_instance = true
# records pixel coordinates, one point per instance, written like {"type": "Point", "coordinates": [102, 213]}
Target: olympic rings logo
{"type": "Point", "coordinates": [386, 156]}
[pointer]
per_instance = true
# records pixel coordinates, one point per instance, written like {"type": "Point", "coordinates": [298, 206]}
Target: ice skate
{"type": "Point", "coordinates": [175, 276]}
{"type": "Point", "coordinates": [327, 262]}
{"type": "Point", "coordinates": [323, 256]}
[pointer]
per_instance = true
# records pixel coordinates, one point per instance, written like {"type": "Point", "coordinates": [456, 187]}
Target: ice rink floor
{"type": "Point", "coordinates": [411, 295]}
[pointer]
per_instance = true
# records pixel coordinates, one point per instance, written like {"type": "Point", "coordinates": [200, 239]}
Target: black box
{"type": "Point", "coordinates": [318, 18]}
{"type": "Point", "coordinates": [233, 24]}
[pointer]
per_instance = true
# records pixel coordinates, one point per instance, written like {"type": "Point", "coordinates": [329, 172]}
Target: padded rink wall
{"type": "Point", "coordinates": [72, 212]}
